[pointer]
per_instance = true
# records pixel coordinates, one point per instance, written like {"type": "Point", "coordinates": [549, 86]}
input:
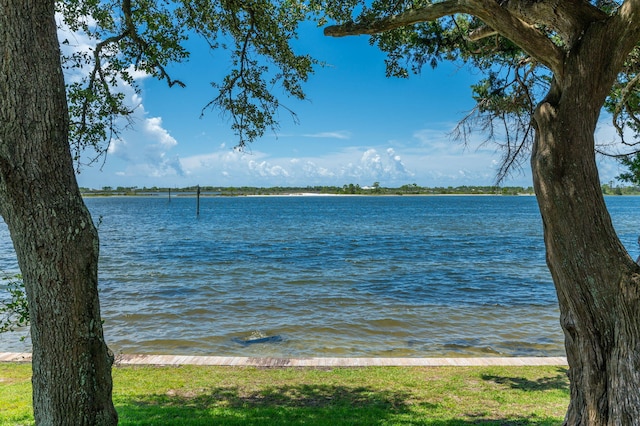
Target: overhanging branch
{"type": "Point", "coordinates": [426, 13]}
{"type": "Point", "coordinates": [482, 32]}
{"type": "Point", "coordinates": [132, 32]}
{"type": "Point", "coordinates": [523, 34]}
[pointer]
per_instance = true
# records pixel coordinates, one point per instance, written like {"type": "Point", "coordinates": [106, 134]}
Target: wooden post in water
{"type": "Point", "coordinates": [169, 194]}
{"type": "Point", "coordinates": [198, 201]}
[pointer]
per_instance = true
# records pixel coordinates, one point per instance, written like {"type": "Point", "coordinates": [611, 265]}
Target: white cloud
{"type": "Point", "coordinates": [356, 165]}
{"type": "Point", "coordinates": [145, 150]}
{"type": "Point", "coordinates": [140, 154]}
{"type": "Point", "coordinates": [441, 161]}
{"type": "Point", "coordinates": [265, 169]}
{"type": "Point", "coordinates": [137, 74]}
{"type": "Point", "coordinates": [432, 162]}
{"type": "Point", "coordinates": [386, 167]}
{"type": "Point", "coordinates": [117, 147]}
{"type": "Point", "coordinates": [153, 127]}
{"type": "Point", "coordinates": [341, 134]}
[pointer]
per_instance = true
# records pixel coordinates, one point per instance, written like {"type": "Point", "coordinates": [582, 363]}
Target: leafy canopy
{"type": "Point", "coordinates": [14, 311]}
{"type": "Point", "coordinates": [134, 36]}
{"type": "Point", "coordinates": [128, 37]}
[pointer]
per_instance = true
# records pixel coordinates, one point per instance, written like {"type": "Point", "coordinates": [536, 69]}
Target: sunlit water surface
{"type": "Point", "coordinates": [331, 276]}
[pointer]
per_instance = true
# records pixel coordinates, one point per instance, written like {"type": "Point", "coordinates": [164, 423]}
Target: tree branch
{"type": "Point", "coordinates": [623, 106]}
{"type": "Point", "coordinates": [523, 34]}
{"type": "Point", "coordinates": [131, 31]}
{"type": "Point", "coordinates": [430, 12]}
{"type": "Point", "coordinates": [626, 26]}
{"type": "Point", "coordinates": [567, 18]}
{"type": "Point", "coordinates": [482, 32]}
{"type": "Point", "coordinates": [630, 8]}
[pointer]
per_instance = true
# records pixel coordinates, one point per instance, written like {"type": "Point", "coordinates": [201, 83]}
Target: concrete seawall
{"type": "Point", "coordinates": [315, 362]}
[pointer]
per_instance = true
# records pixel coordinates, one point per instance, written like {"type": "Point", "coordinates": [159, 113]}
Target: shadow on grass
{"type": "Point", "coordinates": [294, 405]}
{"type": "Point", "coordinates": [558, 382]}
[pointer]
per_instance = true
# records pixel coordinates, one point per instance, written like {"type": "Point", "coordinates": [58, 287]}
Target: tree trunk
{"type": "Point", "coordinates": [53, 234]}
{"type": "Point", "coordinates": [595, 278]}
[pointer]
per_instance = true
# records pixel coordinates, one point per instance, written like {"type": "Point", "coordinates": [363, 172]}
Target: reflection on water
{"type": "Point", "coordinates": [329, 276]}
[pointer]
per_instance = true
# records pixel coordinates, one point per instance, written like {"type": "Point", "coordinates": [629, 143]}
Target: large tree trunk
{"type": "Point", "coordinates": [52, 231]}
{"type": "Point", "coordinates": [596, 280]}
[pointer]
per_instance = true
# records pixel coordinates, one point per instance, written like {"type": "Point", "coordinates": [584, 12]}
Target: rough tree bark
{"type": "Point", "coordinates": [53, 234]}
{"type": "Point", "coordinates": [596, 280]}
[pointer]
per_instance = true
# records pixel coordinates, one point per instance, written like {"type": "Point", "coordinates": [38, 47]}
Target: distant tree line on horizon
{"type": "Point", "coordinates": [347, 189]}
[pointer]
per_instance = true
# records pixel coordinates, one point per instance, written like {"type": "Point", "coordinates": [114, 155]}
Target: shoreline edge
{"type": "Point", "coordinates": [144, 359]}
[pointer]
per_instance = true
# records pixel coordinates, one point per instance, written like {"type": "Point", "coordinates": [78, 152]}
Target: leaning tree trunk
{"type": "Point", "coordinates": [596, 280]}
{"type": "Point", "coordinates": [52, 231]}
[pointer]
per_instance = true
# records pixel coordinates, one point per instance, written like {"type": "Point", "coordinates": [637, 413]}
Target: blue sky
{"type": "Point", "coordinates": [356, 127]}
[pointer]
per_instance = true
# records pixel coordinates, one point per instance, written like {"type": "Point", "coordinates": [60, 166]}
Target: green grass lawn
{"type": "Point", "coordinates": [195, 395]}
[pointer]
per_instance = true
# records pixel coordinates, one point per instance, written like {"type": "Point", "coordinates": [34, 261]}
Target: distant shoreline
{"type": "Point", "coordinates": [327, 191]}
{"type": "Point", "coordinates": [311, 191]}
{"type": "Point", "coordinates": [310, 194]}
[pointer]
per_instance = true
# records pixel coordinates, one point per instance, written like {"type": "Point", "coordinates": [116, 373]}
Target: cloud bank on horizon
{"type": "Point", "coordinates": [150, 156]}
{"type": "Point", "coordinates": [404, 140]}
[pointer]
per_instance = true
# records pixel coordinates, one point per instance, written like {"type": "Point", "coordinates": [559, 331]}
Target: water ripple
{"type": "Point", "coordinates": [330, 276]}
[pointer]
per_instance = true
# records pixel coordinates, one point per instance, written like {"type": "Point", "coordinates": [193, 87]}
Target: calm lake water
{"type": "Point", "coordinates": [330, 276]}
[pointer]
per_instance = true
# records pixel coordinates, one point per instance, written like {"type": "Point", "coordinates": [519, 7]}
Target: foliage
{"type": "Point", "coordinates": [632, 163]}
{"type": "Point", "coordinates": [255, 38]}
{"type": "Point", "coordinates": [127, 38]}
{"type": "Point", "coordinates": [198, 395]}
{"type": "Point", "coordinates": [14, 311]}
{"type": "Point", "coordinates": [624, 101]}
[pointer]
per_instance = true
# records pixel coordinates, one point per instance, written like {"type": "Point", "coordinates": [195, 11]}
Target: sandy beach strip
{"type": "Point", "coordinates": [140, 359]}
